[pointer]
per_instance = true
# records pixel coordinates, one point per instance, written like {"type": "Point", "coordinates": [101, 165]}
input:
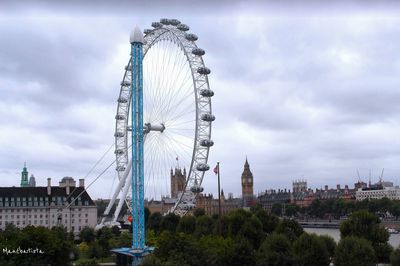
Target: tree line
{"type": "Point", "coordinates": [242, 237]}
{"type": "Point", "coordinates": [256, 237]}
{"type": "Point", "coordinates": [337, 208]}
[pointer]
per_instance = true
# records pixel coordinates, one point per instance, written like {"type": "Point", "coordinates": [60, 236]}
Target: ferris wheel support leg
{"type": "Point", "coordinates": [122, 199]}
{"type": "Point", "coordinates": [121, 184]}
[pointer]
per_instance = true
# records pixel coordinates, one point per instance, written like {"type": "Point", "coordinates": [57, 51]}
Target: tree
{"type": "Point", "coordinates": [178, 249]}
{"type": "Point", "coordinates": [395, 257]}
{"type": "Point", "coordinates": [269, 222]}
{"type": "Point", "coordinates": [252, 230]}
{"type": "Point", "coordinates": [366, 225]}
{"type": "Point", "coordinates": [103, 237]}
{"type": "Point", "coordinates": [199, 212]}
{"type": "Point", "coordinates": [204, 226]}
{"type": "Point", "coordinates": [276, 209]}
{"type": "Point", "coordinates": [217, 250]}
{"type": "Point", "coordinates": [275, 250]}
{"type": "Point", "coordinates": [154, 222]}
{"type": "Point", "coordinates": [187, 224]}
{"type": "Point", "coordinates": [243, 253]}
{"type": "Point", "coordinates": [310, 250]}
{"type": "Point", "coordinates": [235, 220]}
{"type": "Point", "coordinates": [330, 244]}
{"type": "Point", "coordinates": [125, 239]}
{"type": "Point", "coordinates": [87, 234]}
{"type": "Point", "coordinates": [291, 210]}
{"type": "Point", "coordinates": [169, 222]}
{"type": "Point", "coordinates": [95, 250]}
{"type": "Point", "coordinates": [353, 250]}
{"type": "Point", "coordinates": [290, 228]}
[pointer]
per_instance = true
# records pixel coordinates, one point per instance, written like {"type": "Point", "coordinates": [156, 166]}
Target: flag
{"type": "Point", "coordinates": [216, 169]}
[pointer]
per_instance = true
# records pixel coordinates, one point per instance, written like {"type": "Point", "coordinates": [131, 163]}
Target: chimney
{"type": "Point", "coordinates": [326, 187]}
{"type": "Point", "coordinates": [82, 182]}
{"type": "Point", "coordinates": [49, 186]}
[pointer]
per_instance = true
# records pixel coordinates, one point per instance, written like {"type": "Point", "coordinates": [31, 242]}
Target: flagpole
{"type": "Point", "coordinates": [219, 200]}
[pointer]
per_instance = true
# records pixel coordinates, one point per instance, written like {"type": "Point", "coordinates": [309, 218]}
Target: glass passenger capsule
{"type": "Point", "coordinates": [198, 51]}
{"type": "Point", "coordinates": [191, 37]}
{"type": "Point", "coordinates": [208, 117]}
{"type": "Point", "coordinates": [203, 167]}
{"type": "Point", "coordinates": [156, 25]}
{"type": "Point", "coordinates": [183, 27]}
{"type": "Point", "coordinates": [206, 93]}
{"type": "Point", "coordinates": [206, 143]}
{"type": "Point", "coordinates": [203, 70]}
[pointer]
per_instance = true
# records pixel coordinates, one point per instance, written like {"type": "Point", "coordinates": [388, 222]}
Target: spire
{"type": "Point", "coordinates": [246, 164]}
{"type": "Point", "coordinates": [24, 176]}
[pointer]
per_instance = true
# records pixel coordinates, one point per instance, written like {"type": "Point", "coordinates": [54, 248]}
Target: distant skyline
{"type": "Point", "coordinates": [306, 90]}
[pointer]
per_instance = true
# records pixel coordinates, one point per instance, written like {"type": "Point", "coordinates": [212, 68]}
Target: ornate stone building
{"type": "Point", "coordinates": [210, 204]}
{"type": "Point", "coordinates": [66, 205]}
{"type": "Point", "coordinates": [247, 185]}
{"type": "Point", "coordinates": [178, 180]}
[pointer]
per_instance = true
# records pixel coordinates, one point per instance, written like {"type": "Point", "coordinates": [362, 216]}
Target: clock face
{"type": "Point", "coordinates": [244, 180]}
{"type": "Point", "coordinates": [249, 180]}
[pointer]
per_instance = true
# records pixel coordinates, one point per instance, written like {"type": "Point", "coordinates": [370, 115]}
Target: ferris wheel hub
{"type": "Point", "coordinates": [151, 127]}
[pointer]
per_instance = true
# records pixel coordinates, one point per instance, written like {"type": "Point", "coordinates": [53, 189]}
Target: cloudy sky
{"type": "Point", "coordinates": [303, 90]}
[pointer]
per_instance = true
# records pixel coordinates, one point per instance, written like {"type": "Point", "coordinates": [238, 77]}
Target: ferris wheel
{"type": "Point", "coordinates": [177, 117]}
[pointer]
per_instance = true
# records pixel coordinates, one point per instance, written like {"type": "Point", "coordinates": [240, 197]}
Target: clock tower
{"type": "Point", "coordinates": [247, 185]}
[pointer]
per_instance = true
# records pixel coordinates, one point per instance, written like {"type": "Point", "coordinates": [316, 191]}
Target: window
{"type": "Point", "coordinates": [86, 221]}
{"type": "Point", "coordinates": [86, 215]}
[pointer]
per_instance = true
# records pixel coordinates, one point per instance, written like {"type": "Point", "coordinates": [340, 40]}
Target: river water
{"type": "Point", "coordinates": [394, 239]}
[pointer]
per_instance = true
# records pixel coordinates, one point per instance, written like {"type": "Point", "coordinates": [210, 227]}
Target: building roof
{"type": "Point", "coordinates": [67, 178]}
{"type": "Point", "coordinates": [13, 192]}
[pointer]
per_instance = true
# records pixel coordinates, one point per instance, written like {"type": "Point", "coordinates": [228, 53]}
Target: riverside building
{"type": "Point", "coordinates": [66, 204]}
{"type": "Point", "coordinates": [378, 191]}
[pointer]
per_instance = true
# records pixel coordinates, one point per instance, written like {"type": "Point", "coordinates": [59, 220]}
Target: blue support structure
{"type": "Point", "coordinates": [138, 249]}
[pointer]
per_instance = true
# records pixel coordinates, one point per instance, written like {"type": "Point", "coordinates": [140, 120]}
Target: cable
{"type": "Point", "coordinates": [85, 189]}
